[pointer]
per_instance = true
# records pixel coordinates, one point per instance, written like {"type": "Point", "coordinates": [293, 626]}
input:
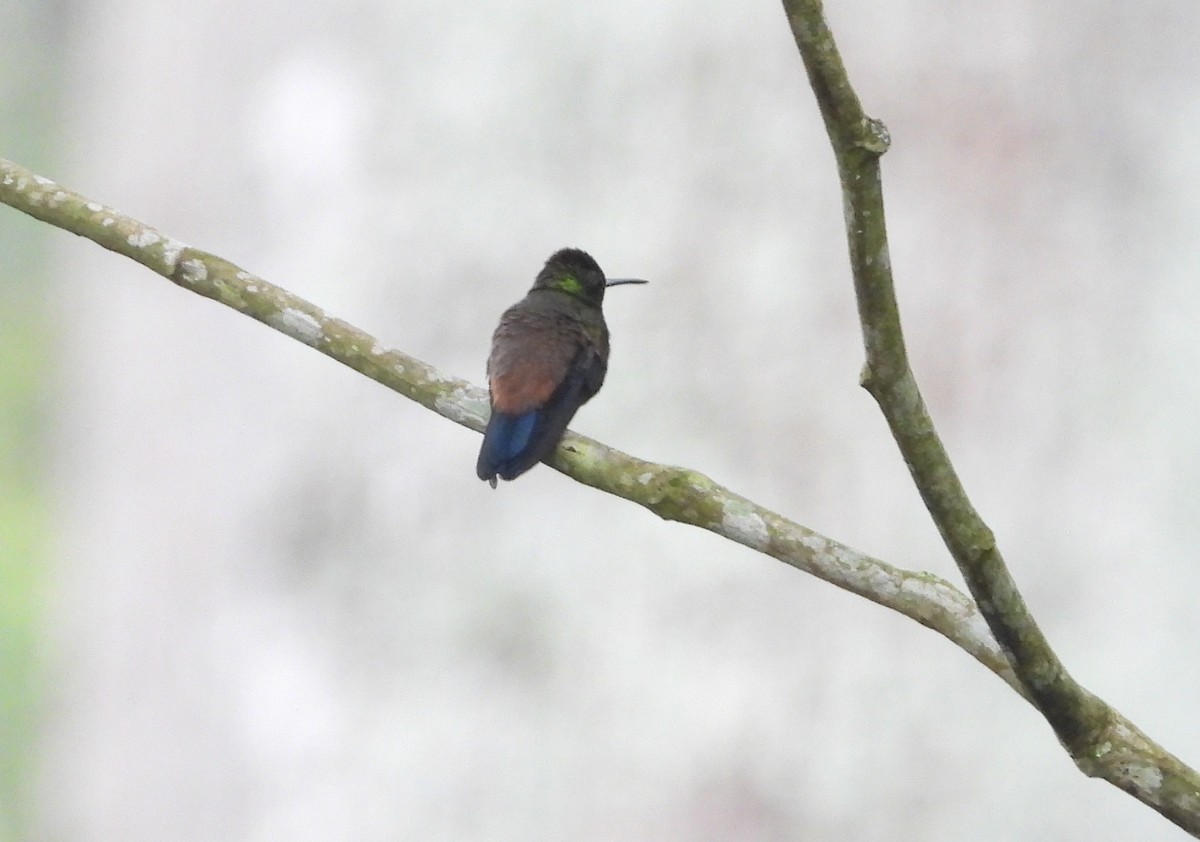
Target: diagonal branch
{"type": "Point", "coordinates": [1102, 742]}
{"type": "Point", "coordinates": [672, 493]}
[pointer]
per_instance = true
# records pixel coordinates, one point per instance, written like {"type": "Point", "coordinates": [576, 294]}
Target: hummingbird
{"type": "Point", "coordinates": [549, 356]}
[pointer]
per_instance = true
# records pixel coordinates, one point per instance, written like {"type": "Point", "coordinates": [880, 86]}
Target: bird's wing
{"type": "Point", "coordinates": [532, 355]}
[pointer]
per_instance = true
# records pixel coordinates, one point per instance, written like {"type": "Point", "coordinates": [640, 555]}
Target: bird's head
{"type": "Point", "coordinates": [575, 272]}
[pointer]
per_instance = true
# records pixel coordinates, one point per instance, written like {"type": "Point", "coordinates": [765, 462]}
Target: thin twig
{"type": "Point", "coordinates": [1102, 742]}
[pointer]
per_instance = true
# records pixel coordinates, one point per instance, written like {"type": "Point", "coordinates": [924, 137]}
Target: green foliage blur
{"type": "Point", "coordinates": [29, 86]}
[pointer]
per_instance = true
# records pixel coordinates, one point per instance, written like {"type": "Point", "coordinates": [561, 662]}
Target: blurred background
{"type": "Point", "coordinates": [247, 594]}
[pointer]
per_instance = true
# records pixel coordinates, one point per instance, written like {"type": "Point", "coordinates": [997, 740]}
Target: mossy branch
{"type": "Point", "coordinates": [1102, 742]}
{"type": "Point", "coordinates": [672, 493]}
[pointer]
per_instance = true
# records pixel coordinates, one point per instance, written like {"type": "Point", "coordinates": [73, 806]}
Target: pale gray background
{"type": "Point", "coordinates": [284, 608]}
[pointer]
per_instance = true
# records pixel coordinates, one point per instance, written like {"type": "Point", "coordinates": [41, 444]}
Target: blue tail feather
{"type": "Point", "coordinates": [507, 439]}
{"type": "Point", "coordinates": [512, 434]}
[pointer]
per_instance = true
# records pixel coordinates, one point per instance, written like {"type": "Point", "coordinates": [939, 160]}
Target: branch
{"type": "Point", "coordinates": [1101, 741]}
{"type": "Point", "coordinates": [671, 493]}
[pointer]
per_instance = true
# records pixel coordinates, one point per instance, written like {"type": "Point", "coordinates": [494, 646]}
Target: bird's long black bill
{"type": "Point", "coordinates": [613, 282]}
